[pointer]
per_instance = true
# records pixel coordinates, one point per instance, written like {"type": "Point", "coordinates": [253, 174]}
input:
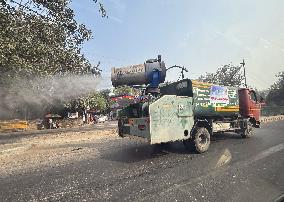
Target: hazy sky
{"type": "Point", "coordinates": [201, 35]}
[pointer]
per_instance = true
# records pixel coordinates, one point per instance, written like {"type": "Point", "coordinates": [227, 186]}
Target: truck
{"type": "Point", "coordinates": [186, 110]}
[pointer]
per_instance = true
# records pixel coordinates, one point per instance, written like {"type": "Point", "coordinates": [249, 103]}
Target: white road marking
{"type": "Point", "coordinates": [268, 152]}
{"type": "Point", "coordinates": [215, 172]}
{"type": "Point", "coordinates": [225, 158]}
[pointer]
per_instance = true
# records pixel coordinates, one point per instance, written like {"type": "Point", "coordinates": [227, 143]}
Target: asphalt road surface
{"type": "Point", "coordinates": [233, 169]}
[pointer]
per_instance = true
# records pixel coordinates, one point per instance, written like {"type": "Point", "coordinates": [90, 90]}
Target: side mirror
{"type": "Point", "coordinates": [262, 101]}
{"type": "Point", "coordinates": [159, 58]}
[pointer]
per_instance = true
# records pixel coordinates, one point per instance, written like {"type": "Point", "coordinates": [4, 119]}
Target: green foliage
{"type": "Point", "coordinates": [276, 93]}
{"type": "Point", "coordinates": [105, 93]}
{"type": "Point", "coordinates": [39, 37]}
{"type": "Point", "coordinates": [261, 94]}
{"type": "Point", "coordinates": [123, 90]}
{"type": "Point", "coordinates": [94, 101]}
{"type": "Point", "coordinates": [228, 75]}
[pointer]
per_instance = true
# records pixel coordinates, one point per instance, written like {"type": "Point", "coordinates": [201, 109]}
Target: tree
{"type": "Point", "coordinates": [123, 90]}
{"type": "Point", "coordinates": [106, 94]}
{"type": "Point", "coordinates": [40, 37]}
{"type": "Point", "coordinates": [228, 75]}
{"type": "Point", "coordinates": [276, 93]}
{"type": "Point", "coordinates": [94, 101]}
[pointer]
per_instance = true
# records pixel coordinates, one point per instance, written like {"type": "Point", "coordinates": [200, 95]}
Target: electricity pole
{"type": "Point", "coordinates": [243, 65]}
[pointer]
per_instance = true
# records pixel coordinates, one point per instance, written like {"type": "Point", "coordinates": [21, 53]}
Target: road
{"type": "Point", "coordinates": [233, 169]}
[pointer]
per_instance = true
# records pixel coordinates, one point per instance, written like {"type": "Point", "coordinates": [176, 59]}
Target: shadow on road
{"type": "Point", "coordinates": [140, 152]}
{"type": "Point", "coordinates": [223, 136]}
{"type": "Point", "coordinates": [143, 151]}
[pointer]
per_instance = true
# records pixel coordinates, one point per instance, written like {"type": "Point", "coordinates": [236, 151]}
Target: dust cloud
{"type": "Point", "coordinates": [30, 98]}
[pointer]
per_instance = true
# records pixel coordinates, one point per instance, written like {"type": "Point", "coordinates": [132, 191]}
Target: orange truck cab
{"type": "Point", "coordinates": [250, 106]}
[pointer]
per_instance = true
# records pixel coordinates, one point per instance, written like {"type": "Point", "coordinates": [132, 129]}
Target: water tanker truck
{"type": "Point", "coordinates": [186, 110]}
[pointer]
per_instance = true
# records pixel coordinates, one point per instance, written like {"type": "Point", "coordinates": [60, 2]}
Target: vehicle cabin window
{"type": "Point", "coordinates": [135, 112]}
{"type": "Point", "coordinates": [253, 96]}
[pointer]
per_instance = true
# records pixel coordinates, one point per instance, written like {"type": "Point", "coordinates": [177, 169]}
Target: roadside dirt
{"type": "Point", "coordinates": [50, 150]}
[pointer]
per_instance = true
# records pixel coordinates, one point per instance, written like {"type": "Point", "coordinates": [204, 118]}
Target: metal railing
{"type": "Point", "coordinates": [272, 111]}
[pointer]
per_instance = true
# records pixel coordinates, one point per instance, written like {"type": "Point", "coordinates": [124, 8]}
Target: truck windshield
{"type": "Point", "coordinates": [253, 96]}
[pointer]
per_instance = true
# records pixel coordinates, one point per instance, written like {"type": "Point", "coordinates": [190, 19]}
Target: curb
{"type": "Point", "coordinates": [266, 119]}
{"type": "Point", "coordinates": [8, 137]}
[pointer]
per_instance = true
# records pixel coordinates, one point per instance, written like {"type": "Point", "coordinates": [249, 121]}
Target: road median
{"type": "Point", "coordinates": [266, 119]}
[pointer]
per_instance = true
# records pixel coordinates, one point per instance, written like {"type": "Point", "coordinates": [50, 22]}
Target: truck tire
{"type": "Point", "coordinates": [248, 131]}
{"type": "Point", "coordinates": [200, 140]}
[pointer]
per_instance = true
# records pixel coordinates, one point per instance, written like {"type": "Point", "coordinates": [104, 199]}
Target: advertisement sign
{"type": "Point", "coordinates": [219, 95]}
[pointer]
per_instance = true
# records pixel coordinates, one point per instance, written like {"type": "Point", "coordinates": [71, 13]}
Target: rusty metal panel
{"type": "Point", "coordinates": [127, 75]}
{"type": "Point", "coordinates": [139, 127]}
{"type": "Point", "coordinates": [137, 74]}
{"type": "Point", "coordinates": [170, 117]}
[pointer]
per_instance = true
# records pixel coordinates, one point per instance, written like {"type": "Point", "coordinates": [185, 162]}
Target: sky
{"type": "Point", "coordinates": [201, 35]}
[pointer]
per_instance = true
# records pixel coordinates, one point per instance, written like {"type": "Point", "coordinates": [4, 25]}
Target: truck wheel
{"type": "Point", "coordinates": [200, 140]}
{"type": "Point", "coordinates": [247, 132]}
